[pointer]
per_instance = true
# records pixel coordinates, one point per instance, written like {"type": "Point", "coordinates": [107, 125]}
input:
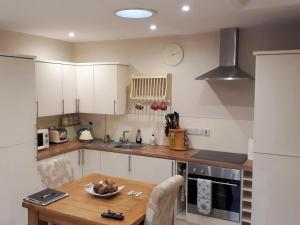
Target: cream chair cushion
{"type": "Point", "coordinates": [160, 209]}
{"type": "Point", "coordinates": [55, 172]}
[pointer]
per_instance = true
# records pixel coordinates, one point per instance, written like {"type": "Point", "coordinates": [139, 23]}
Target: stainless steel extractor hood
{"type": "Point", "coordinates": [228, 69]}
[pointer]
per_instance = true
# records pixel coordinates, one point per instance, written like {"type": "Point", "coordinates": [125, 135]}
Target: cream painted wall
{"type": "Point", "coordinates": [45, 48]}
{"type": "Point", "coordinates": [224, 107]}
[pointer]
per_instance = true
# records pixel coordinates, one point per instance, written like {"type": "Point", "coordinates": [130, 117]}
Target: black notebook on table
{"type": "Point", "coordinates": [45, 197]}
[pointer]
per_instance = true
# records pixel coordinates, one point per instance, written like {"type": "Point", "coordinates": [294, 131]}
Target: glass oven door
{"type": "Point", "coordinates": [226, 195]}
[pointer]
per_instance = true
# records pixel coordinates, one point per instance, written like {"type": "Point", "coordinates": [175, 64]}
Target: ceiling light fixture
{"type": "Point", "coordinates": [185, 8]}
{"type": "Point", "coordinates": [153, 27]}
{"type": "Point", "coordinates": [71, 34]}
{"type": "Point", "coordinates": [135, 13]}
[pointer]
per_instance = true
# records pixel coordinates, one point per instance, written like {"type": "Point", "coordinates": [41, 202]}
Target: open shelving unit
{"type": "Point", "coordinates": [246, 202]}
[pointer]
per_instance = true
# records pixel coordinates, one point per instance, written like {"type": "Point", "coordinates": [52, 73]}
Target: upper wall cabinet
{"type": "Point", "coordinates": [49, 88]}
{"type": "Point", "coordinates": [85, 88]}
{"type": "Point", "coordinates": [110, 82]}
{"type": "Point", "coordinates": [69, 89]}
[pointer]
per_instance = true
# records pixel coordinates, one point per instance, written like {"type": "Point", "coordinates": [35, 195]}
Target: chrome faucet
{"type": "Point", "coordinates": [123, 138]}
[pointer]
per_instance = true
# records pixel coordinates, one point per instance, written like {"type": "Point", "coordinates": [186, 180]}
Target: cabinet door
{"type": "Point", "coordinates": [115, 164]}
{"type": "Point", "coordinates": [123, 82]}
{"type": "Point", "coordinates": [17, 98]}
{"type": "Point", "coordinates": [75, 159]}
{"type": "Point", "coordinates": [276, 185]}
{"type": "Point", "coordinates": [277, 108]}
{"type": "Point", "coordinates": [69, 88]}
{"type": "Point", "coordinates": [151, 170]}
{"type": "Point", "coordinates": [105, 84]}
{"type": "Point", "coordinates": [85, 88]}
{"type": "Point", "coordinates": [49, 88]}
{"type": "Point", "coordinates": [90, 162]}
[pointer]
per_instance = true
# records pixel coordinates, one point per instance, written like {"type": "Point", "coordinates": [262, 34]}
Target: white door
{"type": "Point", "coordinates": [49, 88]}
{"type": "Point", "coordinates": [123, 82]}
{"type": "Point", "coordinates": [105, 86]}
{"type": "Point", "coordinates": [76, 162]}
{"type": "Point", "coordinates": [115, 164]}
{"type": "Point", "coordinates": [91, 162]}
{"type": "Point", "coordinates": [69, 89]}
{"type": "Point", "coordinates": [151, 170]}
{"type": "Point", "coordinates": [276, 185]}
{"type": "Point", "coordinates": [17, 98]}
{"type": "Point", "coordinates": [85, 88]}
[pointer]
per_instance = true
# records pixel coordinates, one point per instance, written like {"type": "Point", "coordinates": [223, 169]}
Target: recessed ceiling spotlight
{"type": "Point", "coordinates": [135, 13]}
{"type": "Point", "coordinates": [185, 8]}
{"type": "Point", "coordinates": [153, 27]}
{"type": "Point", "coordinates": [71, 34]}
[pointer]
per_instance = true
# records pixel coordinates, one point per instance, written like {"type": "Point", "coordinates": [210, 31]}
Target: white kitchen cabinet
{"type": "Point", "coordinates": [277, 108]}
{"type": "Point", "coordinates": [69, 89]}
{"type": "Point", "coordinates": [76, 162]}
{"type": "Point", "coordinates": [110, 82]}
{"type": "Point", "coordinates": [90, 162]}
{"type": "Point", "coordinates": [85, 88]}
{"type": "Point", "coordinates": [115, 164]}
{"type": "Point", "coordinates": [48, 78]}
{"type": "Point", "coordinates": [17, 98]}
{"type": "Point", "coordinates": [151, 170]}
{"type": "Point", "coordinates": [276, 185]}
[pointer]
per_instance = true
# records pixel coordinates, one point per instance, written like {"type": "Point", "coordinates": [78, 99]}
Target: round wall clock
{"type": "Point", "coordinates": [173, 54]}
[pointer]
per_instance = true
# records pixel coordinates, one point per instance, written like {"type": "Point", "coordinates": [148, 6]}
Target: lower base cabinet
{"type": "Point", "coordinates": [90, 161]}
{"type": "Point", "coordinates": [115, 164]}
{"type": "Point", "coordinates": [75, 159]}
{"type": "Point", "coordinates": [151, 170]}
{"type": "Point", "coordinates": [141, 168]}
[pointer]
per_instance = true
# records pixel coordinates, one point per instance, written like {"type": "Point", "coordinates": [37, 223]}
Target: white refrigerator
{"type": "Point", "coordinates": [18, 174]}
{"type": "Point", "coordinates": [276, 168]}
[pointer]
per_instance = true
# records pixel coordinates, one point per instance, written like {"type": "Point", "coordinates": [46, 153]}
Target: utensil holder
{"type": "Point", "coordinates": [177, 140]}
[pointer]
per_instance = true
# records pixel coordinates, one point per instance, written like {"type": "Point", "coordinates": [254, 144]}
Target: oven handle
{"type": "Point", "coordinates": [216, 182]}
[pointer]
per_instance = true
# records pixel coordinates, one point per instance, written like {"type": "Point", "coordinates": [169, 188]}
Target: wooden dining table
{"type": "Point", "coordinates": [82, 208]}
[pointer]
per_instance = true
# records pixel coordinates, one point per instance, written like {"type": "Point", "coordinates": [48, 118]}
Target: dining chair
{"type": "Point", "coordinates": [55, 172]}
{"type": "Point", "coordinates": [161, 204]}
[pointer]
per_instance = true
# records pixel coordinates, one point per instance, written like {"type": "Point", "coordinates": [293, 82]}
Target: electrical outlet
{"type": "Point", "coordinates": [206, 132]}
{"type": "Point", "coordinates": [194, 131]}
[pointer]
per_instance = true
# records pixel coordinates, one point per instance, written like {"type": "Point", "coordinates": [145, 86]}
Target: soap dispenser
{"type": "Point", "coordinates": [138, 138]}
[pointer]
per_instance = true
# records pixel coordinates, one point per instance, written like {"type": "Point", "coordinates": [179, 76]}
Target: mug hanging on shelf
{"type": "Point", "coordinates": [154, 106]}
{"type": "Point", "coordinates": [139, 106]}
{"type": "Point", "coordinates": [163, 106]}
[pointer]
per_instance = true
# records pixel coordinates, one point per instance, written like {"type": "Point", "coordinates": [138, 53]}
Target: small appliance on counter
{"type": "Point", "coordinates": [85, 133]}
{"type": "Point", "coordinates": [42, 139]}
{"type": "Point", "coordinates": [58, 135]}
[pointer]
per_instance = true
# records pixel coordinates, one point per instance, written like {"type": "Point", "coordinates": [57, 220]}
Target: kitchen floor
{"type": "Point", "coordinates": [182, 222]}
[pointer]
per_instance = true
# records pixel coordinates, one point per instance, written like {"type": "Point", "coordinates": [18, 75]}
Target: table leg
{"type": "Point", "coordinates": [33, 218]}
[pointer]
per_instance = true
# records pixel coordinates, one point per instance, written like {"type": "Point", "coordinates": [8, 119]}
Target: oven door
{"type": "Point", "coordinates": [226, 196]}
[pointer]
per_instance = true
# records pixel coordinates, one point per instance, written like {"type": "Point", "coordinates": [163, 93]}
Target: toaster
{"type": "Point", "coordinates": [58, 135]}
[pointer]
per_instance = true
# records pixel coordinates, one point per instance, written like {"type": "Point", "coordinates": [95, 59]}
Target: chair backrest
{"type": "Point", "coordinates": [55, 172]}
{"type": "Point", "coordinates": [161, 204]}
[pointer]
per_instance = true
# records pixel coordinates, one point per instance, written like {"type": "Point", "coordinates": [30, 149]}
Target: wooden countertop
{"type": "Point", "coordinates": [147, 150]}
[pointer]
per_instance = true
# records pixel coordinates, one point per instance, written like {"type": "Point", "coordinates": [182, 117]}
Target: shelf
{"type": "Point", "coordinates": [247, 189]}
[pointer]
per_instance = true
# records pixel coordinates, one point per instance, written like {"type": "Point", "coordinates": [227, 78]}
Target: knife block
{"type": "Point", "coordinates": [177, 140]}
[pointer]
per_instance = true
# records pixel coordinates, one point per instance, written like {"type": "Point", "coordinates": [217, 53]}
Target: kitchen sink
{"type": "Point", "coordinates": [126, 145]}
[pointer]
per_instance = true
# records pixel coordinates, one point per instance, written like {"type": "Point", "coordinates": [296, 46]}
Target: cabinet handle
{"type": "Point", "coordinates": [78, 105]}
{"type": "Point", "coordinates": [37, 109]}
{"type": "Point", "coordinates": [82, 153]}
{"type": "Point", "coordinates": [172, 168]}
{"type": "Point", "coordinates": [79, 157]}
{"type": "Point", "coordinates": [129, 163]}
{"type": "Point", "coordinates": [63, 106]}
{"type": "Point", "coordinates": [114, 107]}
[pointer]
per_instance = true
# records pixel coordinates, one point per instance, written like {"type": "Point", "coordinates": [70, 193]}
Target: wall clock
{"type": "Point", "coordinates": [173, 54]}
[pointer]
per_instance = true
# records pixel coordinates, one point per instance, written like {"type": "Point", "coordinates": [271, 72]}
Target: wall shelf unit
{"type": "Point", "coordinates": [150, 88]}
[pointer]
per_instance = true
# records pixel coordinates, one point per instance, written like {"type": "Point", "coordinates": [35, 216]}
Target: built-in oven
{"type": "Point", "coordinates": [225, 191]}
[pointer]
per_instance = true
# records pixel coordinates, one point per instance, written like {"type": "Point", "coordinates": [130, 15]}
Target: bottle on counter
{"type": "Point", "coordinates": [138, 138]}
{"type": "Point", "coordinates": [152, 140]}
